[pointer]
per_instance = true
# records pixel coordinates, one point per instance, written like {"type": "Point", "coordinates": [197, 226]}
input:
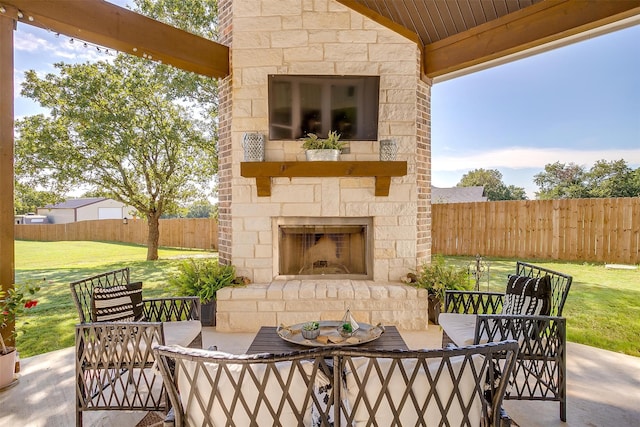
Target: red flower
{"type": "Point", "coordinates": [30, 303]}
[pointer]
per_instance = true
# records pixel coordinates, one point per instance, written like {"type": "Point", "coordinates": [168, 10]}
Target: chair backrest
{"type": "Point", "coordinates": [428, 387]}
{"type": "Point", "coordinates": [560, 284]}
{"type": "Point", "coordinates": [264, 389]}
{"type": "Point", "coordinates": [365, 387]}
{"type": "Point", "coordinates": [82, 290]}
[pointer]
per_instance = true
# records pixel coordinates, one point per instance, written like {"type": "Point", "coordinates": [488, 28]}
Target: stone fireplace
{"type": "Point", "coordinates": [339, 237]}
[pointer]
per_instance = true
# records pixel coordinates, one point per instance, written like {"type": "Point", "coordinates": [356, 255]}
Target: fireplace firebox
{"type": "Point", "coordinates": [326, 247]}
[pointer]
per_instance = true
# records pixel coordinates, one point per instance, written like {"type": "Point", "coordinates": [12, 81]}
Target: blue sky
{"type": "Point", "coordinates": [579, 103]}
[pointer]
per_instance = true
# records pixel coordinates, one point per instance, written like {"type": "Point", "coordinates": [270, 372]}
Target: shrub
{"type": "Point", "coordinates": [438, 277]}
{"type": "Point", "coordinates": [202, 278]}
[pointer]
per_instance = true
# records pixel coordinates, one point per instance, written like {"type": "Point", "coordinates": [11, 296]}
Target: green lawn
{"type": "Point", "coordinates": [49, 326]}
{"type": "Point", "coordinates": [603, 308]}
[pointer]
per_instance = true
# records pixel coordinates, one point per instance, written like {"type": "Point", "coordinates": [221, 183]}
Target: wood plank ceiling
{"type": "Point", "coordinates": [457, 34]}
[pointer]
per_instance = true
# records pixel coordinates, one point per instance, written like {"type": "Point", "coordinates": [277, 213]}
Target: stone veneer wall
{"type": "Point", "coordinates": [321, 37]}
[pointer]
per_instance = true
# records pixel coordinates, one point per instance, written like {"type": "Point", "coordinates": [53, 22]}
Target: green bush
{"type": "Point", "coordinates": [203, 278]}
{"type": "Point", "coordinates": [438, 277]}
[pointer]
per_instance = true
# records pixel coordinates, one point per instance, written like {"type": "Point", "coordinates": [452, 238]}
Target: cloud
{"type": "Point", "coordinates": [524, 158]}
{"type": "Point", "coordinates": [29, 42]}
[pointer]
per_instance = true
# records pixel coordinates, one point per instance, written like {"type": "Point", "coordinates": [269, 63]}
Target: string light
{"type": "Point", "coordinates": [104, 50]}
{"type": "Point", "coordinates": [2, 9]}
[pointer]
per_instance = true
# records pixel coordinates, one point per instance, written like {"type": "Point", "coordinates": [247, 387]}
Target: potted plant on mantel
{"type": "Point", "coordinates": [203, 278]}
{"type": "Point", "coordinates": [13, 303]}
{"type": "Point", "coordinates": [327, 149]}
{"type": "Point", "coordinates": [436, 278]}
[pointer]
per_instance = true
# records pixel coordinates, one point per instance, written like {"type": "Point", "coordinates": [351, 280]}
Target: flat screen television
{"type": "Point", "coordinates": [302, 104]}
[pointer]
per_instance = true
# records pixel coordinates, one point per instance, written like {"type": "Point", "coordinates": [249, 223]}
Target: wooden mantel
{"type": "Point", "coordinates": [264, 171]}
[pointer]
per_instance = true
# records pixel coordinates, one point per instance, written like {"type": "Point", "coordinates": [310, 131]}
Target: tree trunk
{"type": "Point", "coordinates": [153, 237]}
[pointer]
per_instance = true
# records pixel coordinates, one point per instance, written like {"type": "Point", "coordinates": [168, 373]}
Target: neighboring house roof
{"type": "Point", "coordinates": [458, 194]}
{"type": "Point", "coordinates": [76, 203]}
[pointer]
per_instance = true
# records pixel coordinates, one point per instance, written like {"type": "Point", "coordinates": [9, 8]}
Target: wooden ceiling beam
{"type": "Point", "coordinates": [105, 24]}
{"type": "Point", "coordinates": [533, 26]}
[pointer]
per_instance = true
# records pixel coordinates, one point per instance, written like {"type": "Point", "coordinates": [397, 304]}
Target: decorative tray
{"type": "Point", "coordinates": [329, 335]}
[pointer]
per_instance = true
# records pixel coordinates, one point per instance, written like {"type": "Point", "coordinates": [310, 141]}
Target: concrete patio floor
{"type": "Point", "coordinates": [603, 388]}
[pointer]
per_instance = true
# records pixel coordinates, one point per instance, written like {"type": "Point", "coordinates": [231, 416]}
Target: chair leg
{"type": "Point", "coordinates": [563, 410]}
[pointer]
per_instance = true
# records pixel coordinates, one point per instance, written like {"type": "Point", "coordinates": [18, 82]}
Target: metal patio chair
{"type": "Point", "coordinates": [114, 359]}
{"type": "Point", "coordinates": [473, 317]}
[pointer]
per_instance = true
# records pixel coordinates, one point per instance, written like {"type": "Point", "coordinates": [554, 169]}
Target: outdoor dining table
{"type": "Point", "coordinates": [268, 341]}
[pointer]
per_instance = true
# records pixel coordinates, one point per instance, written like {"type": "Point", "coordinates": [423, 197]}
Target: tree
{"type": "Point", "coordinates": [494, 188]}
{"type": "Point", "coordinates": [561, 181]}
{"type": "Point", "coordinates": [604, 179]}
{"type": "Point", "coordinates": [27, 199]}
{"type": "Point", "coordinates": [612, 179]}
{"type": "Point", "coordinates": [198, 17]}
{"type": "Point", "coordinates": [117, 128]}
{"type": "Point", "coordinates": [200, 209]}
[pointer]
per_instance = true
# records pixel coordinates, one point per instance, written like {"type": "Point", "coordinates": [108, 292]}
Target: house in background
{"type": "Point", "coordinates": [458, 194]}
{"type": "Point", "coordinates": [74, 210]}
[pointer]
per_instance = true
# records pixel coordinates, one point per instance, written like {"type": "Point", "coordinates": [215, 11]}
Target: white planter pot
{"type": "Point", "coordinates": [7, 368]}
{"type": "Point", "coordinates": [322, 155]}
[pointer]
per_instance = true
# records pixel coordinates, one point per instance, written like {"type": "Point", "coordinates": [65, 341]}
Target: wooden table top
{"type": "Point", "coordinates": [268, 341]}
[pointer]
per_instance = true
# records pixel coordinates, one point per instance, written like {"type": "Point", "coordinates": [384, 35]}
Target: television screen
{"type": "Point", "coordinates": [303, 104]}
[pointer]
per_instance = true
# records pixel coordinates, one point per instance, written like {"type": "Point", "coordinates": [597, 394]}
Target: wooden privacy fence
{"type": "Point", "coordinates": [192, 233]}
{"type": "Point", "coordinates": [595, 230]}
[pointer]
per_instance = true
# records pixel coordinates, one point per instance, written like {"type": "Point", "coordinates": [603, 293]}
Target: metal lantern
{"type": "Point", "coordinates": [253, 144]}
{"type": "Point", "coordinates": [388, 149]}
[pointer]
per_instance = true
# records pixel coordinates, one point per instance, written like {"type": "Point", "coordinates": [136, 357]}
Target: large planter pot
{"type": "Point", "coordinates": [322, 155]}
{"type": "Point", "coordinates": [7, 368]}
{"type": "Point", "coordinates": [208, 313]}
{"type": "Point", "coordinates": [434, 309]}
